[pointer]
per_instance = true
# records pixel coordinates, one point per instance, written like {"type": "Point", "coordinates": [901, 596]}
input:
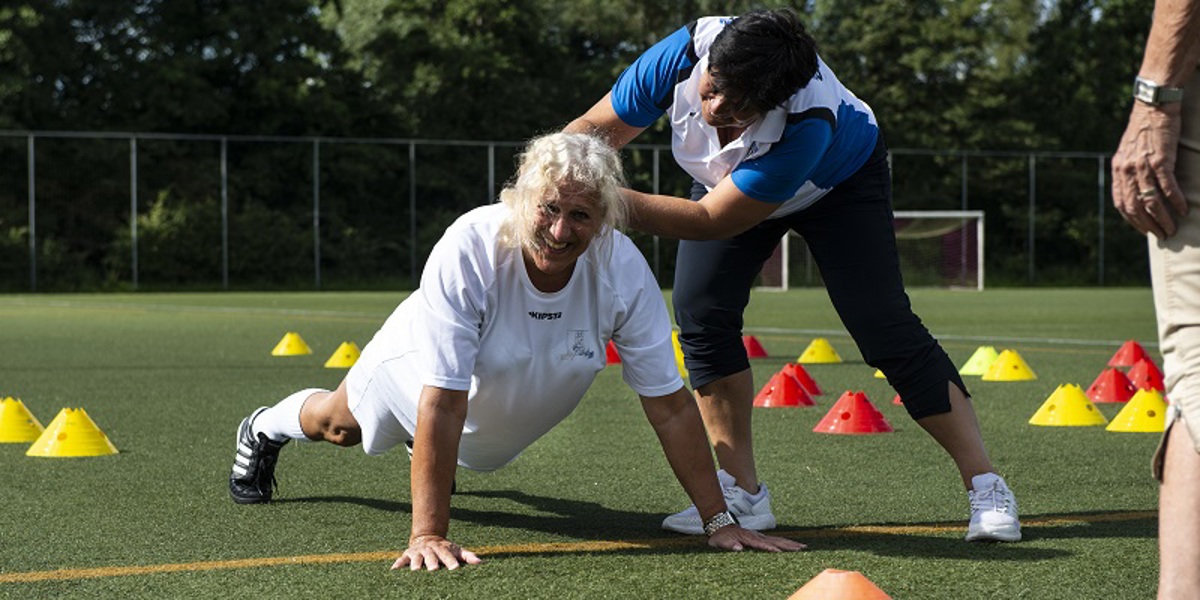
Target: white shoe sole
{"type": "Point", "coordinates": [999, 535]}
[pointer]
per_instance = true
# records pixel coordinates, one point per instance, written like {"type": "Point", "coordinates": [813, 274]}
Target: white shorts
{"type": "Point", "coordinates": [372, 387]}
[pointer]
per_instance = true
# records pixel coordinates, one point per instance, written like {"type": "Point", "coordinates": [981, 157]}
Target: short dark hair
{"type": "Point", "coordinates": [763, 57]}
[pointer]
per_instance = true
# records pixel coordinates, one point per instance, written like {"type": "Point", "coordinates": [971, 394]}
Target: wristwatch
{"type": "Point", "coordinates": [719, 520]}
{"type": "Point", "coordinates": [1153, 94]}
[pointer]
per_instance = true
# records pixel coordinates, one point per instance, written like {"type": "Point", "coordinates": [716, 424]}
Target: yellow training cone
{"type": "Point", "coordinates": [344, 357]}
{"type": "Point", "coordinates": [879, 374]}
{"type": "Point", "coordinates": [1009, 366]}
{"type": "Point", "coordinates": [291, 345]}
{"type": "Point", "coordinates": [819, 351]}
{"type": "Point", "coordinates": [71, 433]}
{"type": "Point", "coordinates": [683, 372]}
{"type": "Point", "coordinates": [17, 424]}
{"type": "Point", "coordinates": [1145, 411]}
{"type": "Point", "coordinates": [980, 361]}
{"type": "Point", "coordinates": [1068, 406]}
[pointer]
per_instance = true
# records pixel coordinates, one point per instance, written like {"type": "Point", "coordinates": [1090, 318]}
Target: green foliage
{"type": "Point", "coordinates": [933, 70]}
{"type": "Point", "coordinates": [180, 244]}
{"type": "Point", "coordinates": [944, 75]}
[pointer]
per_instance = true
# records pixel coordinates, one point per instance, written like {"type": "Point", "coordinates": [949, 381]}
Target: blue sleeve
{"type": "Point", "coordinates": [644, 90]}
{"type": "Point", "coordinates": [777, 175]}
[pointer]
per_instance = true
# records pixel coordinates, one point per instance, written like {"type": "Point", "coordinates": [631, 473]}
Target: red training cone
{"type": "Point", "coordinates": [853, 414]}
{"type": "Point", "coordinates": [1146, 376]}
{"type": "Point", "coordinates": [1111, 386]}
{"type": "Point", "coordinates": [782, 390]}
{"type": "Point", "coordinates": [610, 352]}
{"type": "Point", "coordinates": [797, 370]}
{"type": "Point", "coordinates": [753, 348]}
{"type": "Point", "coordinates": [1128, 355]}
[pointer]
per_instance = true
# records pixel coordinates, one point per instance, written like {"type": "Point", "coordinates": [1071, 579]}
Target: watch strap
{"type": "Point", "coordinates": [719, 520]}
{"type": "Point", "coordinates": [1150, 92]}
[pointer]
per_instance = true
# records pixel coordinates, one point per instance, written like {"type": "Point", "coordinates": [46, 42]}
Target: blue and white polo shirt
{"type": "Point", "coordinates": [792, 156]}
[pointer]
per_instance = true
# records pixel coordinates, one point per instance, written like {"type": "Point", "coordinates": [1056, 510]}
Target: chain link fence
{"type": "Point", "coordinates": [116, 211]}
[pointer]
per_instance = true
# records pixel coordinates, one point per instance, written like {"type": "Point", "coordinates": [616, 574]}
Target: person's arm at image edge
{"type": "Point", "coordinates": [1144, 189]}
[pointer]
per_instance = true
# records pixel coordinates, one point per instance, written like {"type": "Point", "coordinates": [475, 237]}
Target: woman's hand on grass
{"type": "Point", "coordinates": [737, 539]}
{"type": "Point", "coordinates": [433, 552]}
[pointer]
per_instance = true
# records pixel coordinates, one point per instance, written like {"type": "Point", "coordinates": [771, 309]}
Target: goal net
{"type": "Point", "coordinates": [938, 248]}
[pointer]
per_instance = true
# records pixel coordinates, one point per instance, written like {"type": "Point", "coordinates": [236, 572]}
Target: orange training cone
{"type": "Point", "coordinates": [782, 390]}
{"type": "Point", "coordinates": [853, 414]}
{"type": "Point", "coordinates": [1128, 355]}
{"type": "Point", "coordinates": [835, 584]}
{"type": "Point", "coordinates": [610, 354]}
{"type": "Point", "coordinates": [1145, 375]}
{"type": "Point", "coordinates": [1111, 386]}
{"type": "Point", "coordinates": [797, 370]}
{"type": "Point", "coordinates": [897, 401]}
{"type": "Point", "coordinates": [1146, 411]}
{"type": "Point", "coordinates": [754, 349]}
{"type": "Point", "coordinates": [71, 433]}
{"type": "Point", "coordinates": [17, 424]}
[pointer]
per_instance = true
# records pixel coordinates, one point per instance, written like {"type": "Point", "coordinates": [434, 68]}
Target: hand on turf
{"type": "Point", "coordinates": [737, 539]}
{"type": "Point", "coordinates": [433, 552]}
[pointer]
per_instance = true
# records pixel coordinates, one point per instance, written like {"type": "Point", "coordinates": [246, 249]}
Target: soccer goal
{"type": "Point", "coordinates": [938, 248]}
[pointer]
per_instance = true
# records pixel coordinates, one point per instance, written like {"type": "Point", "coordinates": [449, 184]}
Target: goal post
{"type": "Point", "coordinates": [937, 248]}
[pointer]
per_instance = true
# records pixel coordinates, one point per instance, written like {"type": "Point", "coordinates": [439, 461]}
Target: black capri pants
{"type": "Point", "coordinates": [852, 240]}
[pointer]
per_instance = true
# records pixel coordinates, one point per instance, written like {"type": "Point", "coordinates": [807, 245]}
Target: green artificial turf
{"type": "Point", "coordinates": [168, 377]}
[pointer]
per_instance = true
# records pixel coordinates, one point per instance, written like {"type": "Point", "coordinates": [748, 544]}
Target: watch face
{"type": "Point", "coordinates": [1144, 91]}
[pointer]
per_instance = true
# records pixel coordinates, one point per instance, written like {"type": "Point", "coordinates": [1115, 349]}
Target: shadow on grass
{"type": "Point", "coordinates": [944, 540]}
{"type": "Point", "coordinates": [636, 532]}
{"type": "Point", "coordinates": [384, 505]}
{"type": "Point", "coordinates": [557, 516]}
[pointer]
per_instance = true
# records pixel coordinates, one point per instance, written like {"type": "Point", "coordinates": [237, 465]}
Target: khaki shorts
{"type": "Point", "coordinates": [1175, 272]}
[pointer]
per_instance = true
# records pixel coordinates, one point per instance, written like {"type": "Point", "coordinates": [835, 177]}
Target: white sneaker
{"type": "Point", "coordinates": [993, 511]}
{"type": "Point", "coordinates": [751, 513]}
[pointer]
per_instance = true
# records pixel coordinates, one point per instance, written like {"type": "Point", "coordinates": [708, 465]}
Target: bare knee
{"type": "Point", "coordinates": [326, 416]}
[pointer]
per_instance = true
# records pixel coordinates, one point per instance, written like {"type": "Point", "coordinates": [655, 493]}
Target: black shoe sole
{"type": "Point", "coordinates": [248, 499]}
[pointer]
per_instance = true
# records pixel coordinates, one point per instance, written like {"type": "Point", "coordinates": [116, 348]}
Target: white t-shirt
{"type": "Point", "coordinates": [527, 357]}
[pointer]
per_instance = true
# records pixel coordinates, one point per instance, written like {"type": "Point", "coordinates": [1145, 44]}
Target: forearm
{"type": "Point", "coordinates": [434, 460]}
{"type": "Point", "coordinates": [671, 217]}
{"type": "Point", "coordinates": [1173, 48]}
{"type": "Point", "coordinates": [602, 121]}
{"type": "Point", "coordinates": [676, 421]}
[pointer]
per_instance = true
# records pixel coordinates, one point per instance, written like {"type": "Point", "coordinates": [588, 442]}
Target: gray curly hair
{"type": "Point", "coordinates": [556, 161]}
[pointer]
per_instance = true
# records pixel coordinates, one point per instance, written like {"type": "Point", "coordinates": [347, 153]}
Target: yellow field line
{"type": "Point", "coordinates": [544, 548]}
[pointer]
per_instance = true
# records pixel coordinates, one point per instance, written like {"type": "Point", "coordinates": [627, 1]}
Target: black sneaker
{"type": "Point", "coordinates": [252, 480]}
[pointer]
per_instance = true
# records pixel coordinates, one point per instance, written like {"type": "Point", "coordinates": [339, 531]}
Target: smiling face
{"type": "Point", "coordinates": [562, 231]}
{"type": "Point", "coordinates": [721, 111]}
